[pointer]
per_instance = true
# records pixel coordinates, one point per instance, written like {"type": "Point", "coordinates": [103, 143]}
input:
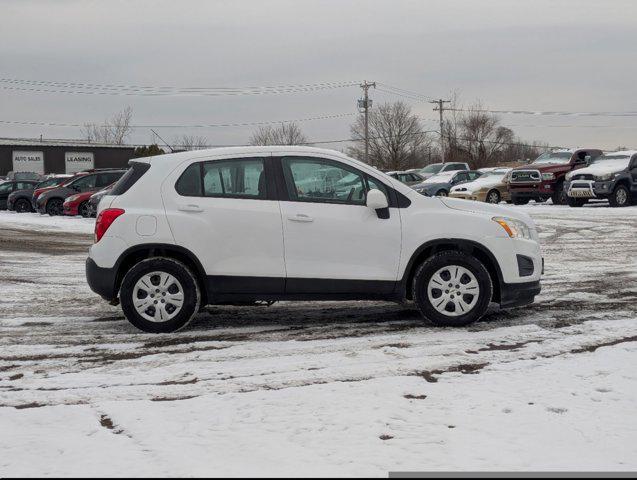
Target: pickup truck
{"type": "Point", "coordinates": [612, 176]}
{"type": "Point", "coordinates": [544, 177]}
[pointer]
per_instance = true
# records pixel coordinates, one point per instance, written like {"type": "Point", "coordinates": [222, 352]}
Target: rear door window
{"type": "Point", "coordinates": [244, 178]}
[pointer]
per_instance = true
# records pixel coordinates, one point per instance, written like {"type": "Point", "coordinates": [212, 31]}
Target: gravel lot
{"type": "Point", "coordinates": [320, 388]}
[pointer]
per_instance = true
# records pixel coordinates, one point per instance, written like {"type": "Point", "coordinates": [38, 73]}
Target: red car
{"type": "Point", "coordinates": [77, 204]}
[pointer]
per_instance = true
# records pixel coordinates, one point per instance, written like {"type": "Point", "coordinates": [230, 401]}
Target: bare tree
{"type": "Point", "coordinates": [114, 130]}
{"type": "Point", "coordinates": [191, 142]}
{"type": "Point", "coordinates": [396, 138]}
{"type": "Point", "coordinates": [482, 136]}
{"type": "Point", "coordinates": [285, 134]}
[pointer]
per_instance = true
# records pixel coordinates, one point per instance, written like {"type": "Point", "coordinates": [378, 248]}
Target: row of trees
{"type": "Point", "coordinates": [397, 138]}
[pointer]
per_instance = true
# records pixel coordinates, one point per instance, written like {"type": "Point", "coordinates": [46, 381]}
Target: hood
{"type": "Point", "coordinates": [486, 209]}
{"type": "Point", "coordinates": [604, 167]}
{"type": "Point", "coordinates": [482, 182]}
{"type": "Point", "coordinates": [546, 167]}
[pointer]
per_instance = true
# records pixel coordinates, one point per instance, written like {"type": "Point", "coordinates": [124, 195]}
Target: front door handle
{"type": "Point", "coordinates": [191, 207]}
{"type": "Point", "coordinates": [301, 217]}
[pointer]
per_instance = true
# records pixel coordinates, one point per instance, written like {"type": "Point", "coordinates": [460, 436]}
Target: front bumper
{"type": "Point", "coordinates": [588, 189]}
{"type": "Point", "coordinates": [102, 281]}
{"type": "Point", "coordinates": [70, 209]}
{"type": "Point", "coordinates": [531, 190]}
{"type": "Point", "coordinates": [518, 294]}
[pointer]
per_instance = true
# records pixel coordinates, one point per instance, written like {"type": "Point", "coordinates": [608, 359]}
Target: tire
{"type": "Point", "coordinates": [540, 200]}
{"type": "Point", "coordinates": [520, 201]}
{"type": "Point", "coordinates": [54, 207]}
{"type": "Point", "coordinates": [620, 197]}
{"type": "Point", "coordinates": [22, 206]}
{"type": "Point", "coordinates": [576, 202]}
{"type": "Point", "coordinates": [493, 196]}
{"type": "Point", "coordinates": [168, 317]}
{"type": "Point", "coordinates": [441, 193]}
{"type": "Point", "coordinates": [559, 195]}
{"type": "Point", "coordinates": [84, 209]}
{"type": "Point", "coordinates": [432, 271]}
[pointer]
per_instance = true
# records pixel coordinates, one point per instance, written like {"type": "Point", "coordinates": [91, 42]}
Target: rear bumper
{"type": "Point", "coordinates": [518, 294]}
{"type": "Point", "coordinates": [101, 280]}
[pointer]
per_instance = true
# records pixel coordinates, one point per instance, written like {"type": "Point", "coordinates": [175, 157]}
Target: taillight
{"type": "Point", "coordinates": [104, 220]}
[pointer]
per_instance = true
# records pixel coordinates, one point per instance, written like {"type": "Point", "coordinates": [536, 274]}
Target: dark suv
{"type": "Point", "coordinates": [52, 201]}
{"type": "Point", "coordinates": [544, 178]}
{"type": "Point", "coordinates": [6, 188]}
{"type": "Point", "coordinates": [20, 200]}
{"type": "Point", "coordinates": [612, 176]}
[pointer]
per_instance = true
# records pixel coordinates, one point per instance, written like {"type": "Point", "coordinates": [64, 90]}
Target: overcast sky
{"type": "Point", "coordinates": [540, 55]}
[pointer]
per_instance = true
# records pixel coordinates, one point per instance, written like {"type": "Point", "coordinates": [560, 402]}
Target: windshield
{"type": "Point", "coordinates": [554, 157]}
{"type": "Point", "coordinates": [493, 173]}
{"type": "Point", "coordinates": [611, 156]}
{"type": "Point", "coordinates": [433, 168]}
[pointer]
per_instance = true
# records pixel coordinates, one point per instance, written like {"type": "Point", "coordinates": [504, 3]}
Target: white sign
{"type": "Point", "coordinates": [78, 161]}
{"type": "Point", "coordinates": [28, 162]}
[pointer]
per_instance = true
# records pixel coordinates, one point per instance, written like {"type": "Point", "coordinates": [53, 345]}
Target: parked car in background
{"type": "Point", "coordinates": [544, 177]}
{"type": "Point", "coordinates": [94, 201]}
{"type": "Point", "coordinates": [178, 232]}
{"type": "Point", "coordinates": [408, 178]}
{"type": "Point", "coordinates": [78, 204]}
{"type": "Point", "coordinates": [436, 168]}
{"type": "Point", "coordinates": [21, 200]}
{"type": "Point", "coordinates": [440, 185]}
{"type": "Point", "coordinates": [8, 187]}
{"type": "Point", "coordinates": [52, 201]}
{"type": "Point", "coordinates": [612, 176]}
{"type": "Point", "coordinates": [489, 187]}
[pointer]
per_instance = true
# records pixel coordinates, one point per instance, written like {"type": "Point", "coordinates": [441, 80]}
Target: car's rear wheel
{"type": "Point", "coordinates": [22, 206]}
{"type": "Point", "coordinates": [84, 210]}
{"type": "Point", "coordinates": [55, 206]}
{"type": "Point", "coordinates": [160, 295]}
{"type": "Point", "coordinates": [452, 289]}
{"type": "Point", "coordinates": [493, 196]}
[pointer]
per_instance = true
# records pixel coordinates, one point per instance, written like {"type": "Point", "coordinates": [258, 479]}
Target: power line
{"type": "Point", "coordinates": [549, 113]}
{"type": "Point", "coordinates": [136, 90]}
{"type": "Point", "coordinates": [211, 125]}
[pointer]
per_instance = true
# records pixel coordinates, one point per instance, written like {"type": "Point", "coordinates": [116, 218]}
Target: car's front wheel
{"type": "Point", "coordinates": [577, 202]}
{"type": "Point", "coordinates": [620, 197]}
{"type": "Point", "coordinates": [493, 196]}
{"type": "Point", "coordinates": [452, 288]}
{"type": "Point", "coordinates": [84, 210]}
{"type": "Point", "coordinates": [160, 295]}
{"type": "Point", "coordinates": [442, 193]}
{"type": "Point", "coordinates": [55, 207]}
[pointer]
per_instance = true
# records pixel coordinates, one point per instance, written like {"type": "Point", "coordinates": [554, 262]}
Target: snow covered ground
{"type": "Point", "coordinates": [355, 388]}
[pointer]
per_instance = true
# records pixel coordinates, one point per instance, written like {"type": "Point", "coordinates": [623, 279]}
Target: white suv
{"type": "Point", "coordinates": [237, 225]}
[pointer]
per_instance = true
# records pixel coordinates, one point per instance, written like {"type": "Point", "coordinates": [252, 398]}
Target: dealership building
{"type": "Point", "coordinates": [58, 156]}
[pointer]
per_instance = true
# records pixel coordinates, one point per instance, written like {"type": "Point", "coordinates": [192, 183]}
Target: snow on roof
{"type": "Point", "coordinates": [34, 142]}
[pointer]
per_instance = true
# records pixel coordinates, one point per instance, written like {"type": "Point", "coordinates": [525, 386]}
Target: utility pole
{"type": "Point", "coordinates": [441, 108]}
{"type": "Point", "coordinates": [365, 104]}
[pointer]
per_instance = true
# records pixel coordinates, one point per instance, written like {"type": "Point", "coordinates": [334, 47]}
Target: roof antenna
{"type": "Point", "coordinates": [171, 148]}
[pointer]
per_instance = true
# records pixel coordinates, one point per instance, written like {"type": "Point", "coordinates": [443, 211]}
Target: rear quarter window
{"type": "Point", "coordinates": [132, 175]}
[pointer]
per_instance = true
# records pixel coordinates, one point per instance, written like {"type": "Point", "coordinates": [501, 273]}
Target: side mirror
{"type": "Point", "coordinates": [588, 159]}
{"type": "Point", "coordinates": [376, 200]}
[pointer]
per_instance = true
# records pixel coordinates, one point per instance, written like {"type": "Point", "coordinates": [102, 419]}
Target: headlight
{"type": "Point", "coordinates": [514, 228]}
{"type": "Point", "coordinates": [548, 176]}
{"type": "Point", "coordinates": [72, 198]}
{"type": "Point", "coordinates": [606, 176]}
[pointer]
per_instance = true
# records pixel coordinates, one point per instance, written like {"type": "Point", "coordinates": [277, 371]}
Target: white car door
{"type": "Point", "coordinates": [224, 212]}
{"type": "Point", "coordinates": [333, 241]}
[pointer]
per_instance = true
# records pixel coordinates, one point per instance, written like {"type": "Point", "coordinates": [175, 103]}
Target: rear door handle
{"type": "Point", "coordinates": [301, 217]}
{"type": "Point", "coordinates": [191, 207]}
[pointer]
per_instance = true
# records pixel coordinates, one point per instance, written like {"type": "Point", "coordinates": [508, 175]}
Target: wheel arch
{"type": "Point", "coordinates": [138, 253]}
{"type": "Point", "coordinates": [470, 247]}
